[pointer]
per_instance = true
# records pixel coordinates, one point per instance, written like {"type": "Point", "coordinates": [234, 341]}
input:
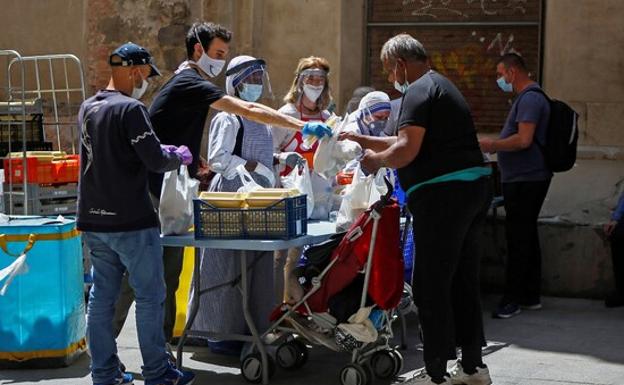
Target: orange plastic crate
{"type": "Point", "coordinates": [64, 170]}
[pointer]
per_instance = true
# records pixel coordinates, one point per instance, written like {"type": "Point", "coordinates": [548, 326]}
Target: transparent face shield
{"type": "Point", "coordinates": [314, 78]}
{"type": "Point", "coordinates": [376, 112]}
{"type": "Point", "coordinates": [375, 117]}
{"type": "Point", "coordinates": [250, 80]}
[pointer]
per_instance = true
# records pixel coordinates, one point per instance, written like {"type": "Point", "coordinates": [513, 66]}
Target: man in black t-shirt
{"type": "Point", "coordinates": [178, 114]}
{"type": "Point", "coordinates": [441, 169]}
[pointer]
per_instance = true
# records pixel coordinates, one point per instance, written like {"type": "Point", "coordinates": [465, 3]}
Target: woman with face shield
{"type": "Point", "coordinates": [235, 141]}
{"type": "Point", "coordinates": [308, 99]}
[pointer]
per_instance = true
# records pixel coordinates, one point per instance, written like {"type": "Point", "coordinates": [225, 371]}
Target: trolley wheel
{"type": "Point", "coordinates": [399, 360]}
{"type": "Point", "coordinates": [303, 353]}
{"type": "Point", "coordinates": [384, 364]}
{"type": "Point", "coordinates": [354, 374]}
{"type": "Point", "coordinates": [251, 367]}
{"type": "Point", "coordinates": [291, 355]}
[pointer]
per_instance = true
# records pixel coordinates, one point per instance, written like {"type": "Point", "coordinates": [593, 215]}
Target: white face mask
{"type": "Point", "coordinates": [137, 93]}
{"type": "Point", "coordinates": [402, 88]}
{"type": "Point", "coordinates": [312, 92]}
{"type": "Point", "coordinates": [211, 67]}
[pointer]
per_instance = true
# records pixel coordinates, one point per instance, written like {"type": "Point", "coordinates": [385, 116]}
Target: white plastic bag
{"type": "Point", "coordinates": [363, 191]}
{"type": "Point", "coordinates": [354, 201]}
{"type": "Point", "coordinates": [360, 189]}
{"type": "Point", "coordinates": [378, 186]}
{"type": "Point", "coordinates": [322, 196]}
{"type": "Point", "coordinates": [324, 154]}
{"type": "Point", "coordinates": [300, 179]}
{"type": "Point", "coordinates": [249, 184]}
{"type": "Point", "coordinates": [332, 155]}
{"type": "Point", "coordinates": [175, 210]}
{"type": "Point", "coordinates": [18, 267]}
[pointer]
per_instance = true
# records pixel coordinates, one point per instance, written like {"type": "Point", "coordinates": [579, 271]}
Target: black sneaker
{"type": "Point", "coordinates": [506, 311]}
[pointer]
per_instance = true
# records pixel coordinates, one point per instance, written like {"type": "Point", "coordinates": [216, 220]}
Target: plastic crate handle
{"type": "Point", "coordinates": [32, 238]}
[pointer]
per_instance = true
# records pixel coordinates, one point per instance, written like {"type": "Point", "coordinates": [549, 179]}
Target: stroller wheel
{"type": "Point", "coordinates": [354, 374]}
{"type": "Point", "coordinates": [291, 355]}
{"type": "Point", "coordinates": [384, 364]}
{"type": "Point", "coordinates": [303, 353]}
{"type": "Point", "coordinates": [251, 368]}
{"type": "Point", "coordinates": [399, 360]}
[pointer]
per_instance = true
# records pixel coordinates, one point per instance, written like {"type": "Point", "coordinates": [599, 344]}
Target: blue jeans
{"type": "Point", "coordinates": [111, 254]}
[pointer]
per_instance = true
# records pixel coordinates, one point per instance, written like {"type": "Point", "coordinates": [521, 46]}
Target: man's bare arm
{"type": "Point", "coordinates": [257, 112]}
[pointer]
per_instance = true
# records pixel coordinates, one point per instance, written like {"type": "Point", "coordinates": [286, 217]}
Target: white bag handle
{"type": "Point", "coordinates": [249, 184]}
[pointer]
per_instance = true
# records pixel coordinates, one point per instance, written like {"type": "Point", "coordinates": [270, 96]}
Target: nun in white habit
{"type": "Point", "coordinates": [234, 141]}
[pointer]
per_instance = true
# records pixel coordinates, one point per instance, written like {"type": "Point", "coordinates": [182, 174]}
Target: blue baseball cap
{"type": "Point", "coordinates": [133, 55]}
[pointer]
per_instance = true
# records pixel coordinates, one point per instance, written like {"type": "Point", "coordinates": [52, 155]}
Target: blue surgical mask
{"type": "Point", "coordinates": [503, 85]}
{"type": "Point", "coordinates": [250, 92]}
{"type": "Point", "coordinates": [376, 127]}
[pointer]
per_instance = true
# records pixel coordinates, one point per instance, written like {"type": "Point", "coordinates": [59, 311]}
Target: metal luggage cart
{"type": "Point", "coordinates": [52, 85]}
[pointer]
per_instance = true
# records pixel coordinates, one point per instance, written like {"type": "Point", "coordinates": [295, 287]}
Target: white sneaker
{"type": "Point", "coordinates": [422, 378]}
{"type": "Point", "coordinates": [480, 377]}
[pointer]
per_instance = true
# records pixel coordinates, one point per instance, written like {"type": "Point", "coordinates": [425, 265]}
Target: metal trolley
{"type": "Point", "coordinates": [51, 86]}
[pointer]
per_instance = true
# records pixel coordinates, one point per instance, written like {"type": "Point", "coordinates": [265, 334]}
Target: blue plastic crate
{"type": "Point", "coordinates": [285, 219]}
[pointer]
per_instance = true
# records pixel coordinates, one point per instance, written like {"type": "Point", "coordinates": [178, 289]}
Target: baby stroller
{"type": "Point", "coordinates": [353, 284]}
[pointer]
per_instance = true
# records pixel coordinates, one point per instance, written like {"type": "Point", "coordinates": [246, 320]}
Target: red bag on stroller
{"type": "Point", "coordinates": [386, 277]}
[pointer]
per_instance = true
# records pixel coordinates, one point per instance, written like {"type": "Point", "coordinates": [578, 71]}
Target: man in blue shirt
{"type": "Point", "coordinates": [525, 178]}
{"type": "Point", "coordinates": [117, 217]}
{"type": "Point", "coordinates": [615, 231]}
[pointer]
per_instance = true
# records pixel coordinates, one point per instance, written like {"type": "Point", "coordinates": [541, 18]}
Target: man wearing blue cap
{"type": "Point", "coordinates": [117, 218]}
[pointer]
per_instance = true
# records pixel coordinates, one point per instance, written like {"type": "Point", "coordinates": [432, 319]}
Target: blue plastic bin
{"type": "Point", "coordinates": [43, 310]}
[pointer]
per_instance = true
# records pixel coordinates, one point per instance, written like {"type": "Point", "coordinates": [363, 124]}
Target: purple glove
{"type": "Point", "coordinates": [184, 154]}
{"type": "Point", "coordinates": [168, 148]}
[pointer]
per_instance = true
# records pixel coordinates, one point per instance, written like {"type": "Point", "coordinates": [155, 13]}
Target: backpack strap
{"type": "Point", "coordinates": [238, 147]}
{"type": "Point", "coordinates": [538, 90]}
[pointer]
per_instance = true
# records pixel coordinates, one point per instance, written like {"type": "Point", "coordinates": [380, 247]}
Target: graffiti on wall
{"type": "Point", "coordinates": [497, 44]}
{"type": "Point", "coordinates": [471, 66]}
{"type": "Point", "coordinates": [436, 8]}
{"type": "Point", "coordinates": [475, 59]}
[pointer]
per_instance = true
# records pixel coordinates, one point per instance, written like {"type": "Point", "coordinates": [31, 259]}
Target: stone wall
{"type": "Point", "coordinates": [584, 65]}
{"type": "Point", "coordinates": [158, 25]}
{"type": "Point", "coordinates": [576, 259]}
